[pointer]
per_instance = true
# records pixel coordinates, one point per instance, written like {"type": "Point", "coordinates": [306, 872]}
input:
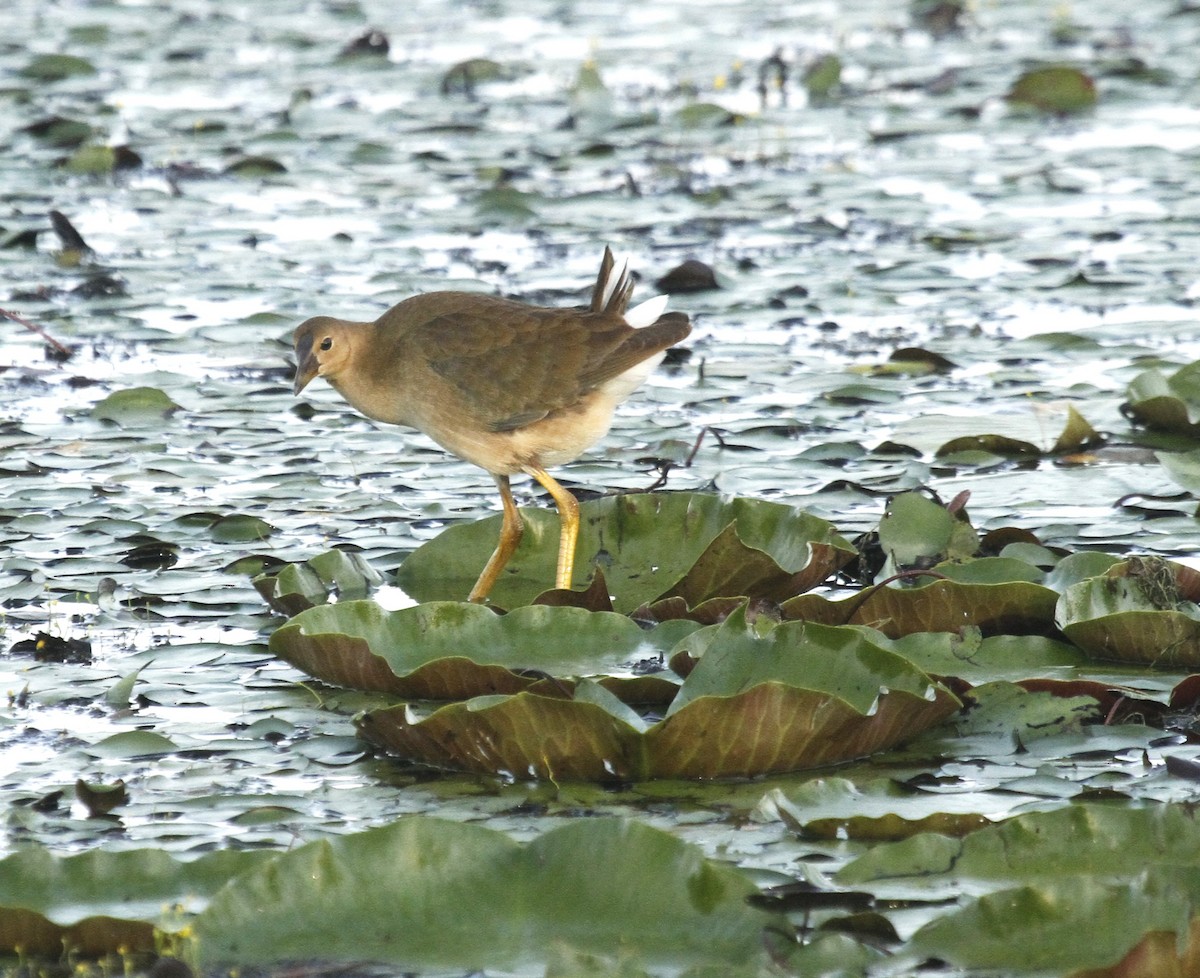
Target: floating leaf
{"type": "Point", "coordinates": [506, 203]}
{"type": "Point", "coordinates": [101, 160]}
{"type": "Point", "coordinates": [454, 650]}
{"type": "Point", "coordinates": [822, 76]}
{"type": "Point", "coordinates": [100, 799]}
{"type": "Point", "coordinates": [100, 902]}
{"type": "Point", "coordinates": [1024, 434]}
{"type": "Point", "coordinates": [691, 276]}
{"type": "Point", "coordinates": [1056, 90]}
{"type": "Point", "coordinates": [652, 546]}
{"type": "Point", "coordinates": [704, 115]}
{"type": "Point", "coordinates": [915, 530]}
{"type": "Point", "coordinates": [59, 131]}
{"type": "Point", "coordinates": [1133, 614]}
{"type": "Point", "coordinates": [255, 166]}
{"type": "Point", "coordinates": [1077, 434]}
{"type": "Point", "coordinates": [793, 697]}
{"type": "Point", "coordinates": [1058, 926]}
{"type": "Point", "coordinates": [57, 67]}
{"type": "Point", "coordinates": [294, 588]}
{"type": "Point", "coordinates": [1096, 879]}
{"type": "Point", "coordinates": [133, 743]}
{"type": "Point", "coordinates": [466, 75]}
{"type": "Point", "coordinates": [240, 528]}
{"type": "Point", "coordinates": [119, 693]}
{"type": "Point", "coordinates": [435, 895]}
{"type": "Point", "coordinates": [977, 659]}
{"type": "Point", "coordinates": [1017, 607]}
{"type": "Point", "coordinates": [135, 407]}
{"type": "Point", "coordinates": [1170, 404]}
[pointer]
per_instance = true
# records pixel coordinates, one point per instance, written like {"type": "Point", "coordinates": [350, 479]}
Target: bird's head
{"type": "Point", "coordinates": [324, 348]}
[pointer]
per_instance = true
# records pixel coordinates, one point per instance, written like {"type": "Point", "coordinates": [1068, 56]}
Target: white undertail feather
{"type": "Point", "coordinates": [646, 313]}
{"type": "Point", "coordinates": [621, 386]}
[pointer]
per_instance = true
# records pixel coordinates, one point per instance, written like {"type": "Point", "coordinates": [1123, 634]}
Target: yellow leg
{"type": "Point", "coordinates": [568, 511]}
{"type": "Point", "coordinates": [510, 535]}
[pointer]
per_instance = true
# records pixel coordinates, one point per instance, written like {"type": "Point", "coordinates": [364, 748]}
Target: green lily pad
{"type": "Point", "coordinates": [762, 699]}
{"type": "Point", "coordinates": [135, 407]}
{"type": "Point", "coordinates": [294, 588]}
{"type": "Point", "coordinates": [1133, 869]}
{"type": "Point", "coordinates": [1134, 614]}
{"type": "Point", "coordinates": [968, 655]}
{"type": "Point", "coordinates": [255, 167]}
{"type": "Point", "coordinates": [56, 67]}
{"type": "Point", "coordinates": [822, 76]}
{"type": "Point", "coordinates": [1170, 404]}
{"type": "Point", "coordinates": [240, 528]}
{"type": "Point", "coordinates": [1056, 90]}
{"type": "Point", "coordinates": [430, 894]}
{"type": "Point", "coordinates": [1014, 607]}
{"type": "Point", "coordinates": [99, 901]}
{"type": "Point", "coordinates": [455, 650]}
{"type": "Point", "coordinates": [651, 546]}
{"type": "Point", "coordinates": [1060, 926]}
{"type": "Point", "coordinates": [915, 529]}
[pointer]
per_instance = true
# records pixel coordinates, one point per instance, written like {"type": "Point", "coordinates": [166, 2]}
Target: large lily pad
{"type": "Point", "coordinates": [455, 650]}
{"type": "Point", "coordinates": [431, 894]}
{"type": "Point", "coordinates": [1167, 403]}
{"type": "Point", "coordinates": [764, 698]}
{"type": "Point", "coordinates": [1019, 607]}
{"type": "Point", "coordinates": [651, 546]}
{"type": "Point", "coordinates": [96, 902]}
{"type": "Point", "coordinates": [1133, 613]}
{"type": "Point", "coordinates": [1076, 887]}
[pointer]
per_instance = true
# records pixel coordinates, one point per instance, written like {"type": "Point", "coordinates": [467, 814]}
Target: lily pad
{"type": "Point", "coordinates": [1078, 887]}
{"type": "Point", "coordinates": [455, 650]}
{"type": "Point", "coordinates": [1134, 613]}
{"type": "Point", "coordinates": [294, 588]}
{"type": "Point", "coordinates": [1013, 607]}
{"type": "Point", "coordinates": [97, 902]}
{"type": "Point", "coordinates": [651, 545]}
{"type": "Point", "coordinates": [763, 699]}
{"type": "Point", "coordinates": [1056, 90]}
{"type": "Point", "coordinates": [135, 407]}
{"type": "Point", "coordinates": [1167, 403]}
{"type": "Point", "coordinates": [56, 67]}
{"type": "Point", "coordinates": [430, 894]}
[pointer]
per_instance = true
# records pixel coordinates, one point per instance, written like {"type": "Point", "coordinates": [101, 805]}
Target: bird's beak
{"type": "Point", "coordinates": [306, 364]}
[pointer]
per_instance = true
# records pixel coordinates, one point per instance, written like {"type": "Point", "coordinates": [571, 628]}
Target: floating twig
{"type": "Point", "coordinates": [63, 351]}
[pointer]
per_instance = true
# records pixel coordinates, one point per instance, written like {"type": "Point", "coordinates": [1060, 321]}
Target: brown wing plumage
{"type": "Point", "coordinates": [536, 360]}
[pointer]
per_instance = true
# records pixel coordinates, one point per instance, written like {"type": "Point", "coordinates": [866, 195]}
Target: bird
{"type": "Point", "coordinates": [508, 386]}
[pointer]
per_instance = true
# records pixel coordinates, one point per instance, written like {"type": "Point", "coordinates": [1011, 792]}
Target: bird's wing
{"type": "Point", "coordinates": [513, 364]}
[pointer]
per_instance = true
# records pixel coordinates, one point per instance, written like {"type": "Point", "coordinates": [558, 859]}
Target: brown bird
{"type": "Point", "coordinates": [507, 386]}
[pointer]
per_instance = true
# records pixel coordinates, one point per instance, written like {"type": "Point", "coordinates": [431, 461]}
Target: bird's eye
{"type": "Point", "coordinates": [327, 344]}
